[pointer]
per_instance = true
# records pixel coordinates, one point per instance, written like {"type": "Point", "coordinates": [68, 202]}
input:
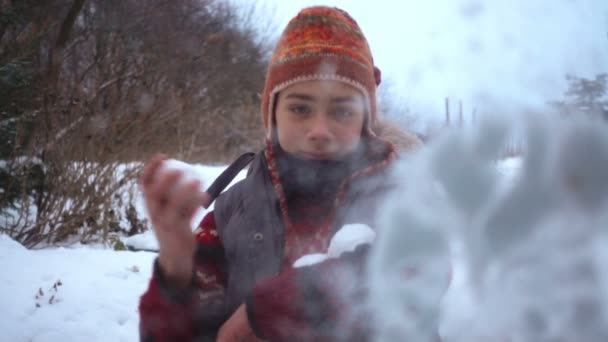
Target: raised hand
{"type": "Point", "coordinates": [171, 203]}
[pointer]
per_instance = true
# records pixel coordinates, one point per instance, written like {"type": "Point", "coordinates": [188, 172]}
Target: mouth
{"type": "Point", "coordinates": [317, 155]}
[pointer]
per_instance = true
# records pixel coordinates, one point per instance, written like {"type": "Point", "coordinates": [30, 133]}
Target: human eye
{"type": "Point", "coordinates": [343, 113]}
{"type": "Point", "coordinates": [300, 109]}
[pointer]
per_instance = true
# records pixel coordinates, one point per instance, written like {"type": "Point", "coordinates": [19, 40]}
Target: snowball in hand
{"type": "Point", "coordinates": [347, 239]}
{"type": "Point", "coordinates": [189, 173]}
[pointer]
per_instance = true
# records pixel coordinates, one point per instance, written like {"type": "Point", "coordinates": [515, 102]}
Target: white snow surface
{"type": "Point", "coordinates": [96, 301]}
{"type": "Point", "coordinates": [100, 288]}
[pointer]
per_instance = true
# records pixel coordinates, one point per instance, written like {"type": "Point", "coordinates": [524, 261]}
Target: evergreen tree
{"type": "Point", "coordinates": [587, 96]}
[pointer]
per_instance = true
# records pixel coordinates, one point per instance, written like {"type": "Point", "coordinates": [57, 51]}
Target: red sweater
{"type": "Point", "coordinates": [275, 307]}
{"type": "Point", "coordinates": [279, 307]}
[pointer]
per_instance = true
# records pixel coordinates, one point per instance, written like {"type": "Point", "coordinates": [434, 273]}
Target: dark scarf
{"type": "Point", "coordinates": [314, 181]}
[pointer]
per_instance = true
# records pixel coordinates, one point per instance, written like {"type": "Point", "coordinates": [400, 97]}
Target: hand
{"type": "Point", "coordinates": [171, 206]}
{"type": "Point", "coordinates": [237, 328]}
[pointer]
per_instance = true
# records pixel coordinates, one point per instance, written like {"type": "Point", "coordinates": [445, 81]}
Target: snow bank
{"type": "Point", "coordinates": [70, 294]}
{"type": "Point", "coordinates": [8, 244]}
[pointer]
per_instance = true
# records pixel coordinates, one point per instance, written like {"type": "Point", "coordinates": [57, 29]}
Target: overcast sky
{"type": "Point", "coordinates": [512, 52]}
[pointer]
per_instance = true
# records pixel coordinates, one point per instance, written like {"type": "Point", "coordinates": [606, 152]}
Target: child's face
{"type": "Point", "coordinates": [320, 119]}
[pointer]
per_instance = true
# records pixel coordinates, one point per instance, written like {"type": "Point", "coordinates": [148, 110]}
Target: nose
{"type": "Point", "coordinates": [319, 130]}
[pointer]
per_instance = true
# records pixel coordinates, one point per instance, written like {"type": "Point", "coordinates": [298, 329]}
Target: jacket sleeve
{"type": "Point", "coordinates": [319, 302]}
{"type": "Point", "coordinates": [168, 314]}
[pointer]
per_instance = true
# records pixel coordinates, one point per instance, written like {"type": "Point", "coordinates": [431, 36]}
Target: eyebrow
{"type": "Point", "coordinates": [306, 97]}
{"type": "Point", "coordinates": [342, 99]}
{"type": "Point", "coordinates": [300, 97]}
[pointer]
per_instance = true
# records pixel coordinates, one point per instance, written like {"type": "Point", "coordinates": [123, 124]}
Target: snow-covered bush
{"type": "Point", "coordinates": [80, 201]}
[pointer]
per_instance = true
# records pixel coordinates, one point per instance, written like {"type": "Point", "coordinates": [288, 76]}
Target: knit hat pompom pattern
{"type": "Point", "coordinates": [321, 43]}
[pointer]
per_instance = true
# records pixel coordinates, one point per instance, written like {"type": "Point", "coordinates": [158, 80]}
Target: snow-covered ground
{"type": "Point", "coordinates": [70, 294]}
{"type": "Point", "coordinates": [79, 293]}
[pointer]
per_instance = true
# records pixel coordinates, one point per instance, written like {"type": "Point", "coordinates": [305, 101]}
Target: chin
{"type": "Point", "coordinates": [320, 156]}
{"type": "Point", "coordinates": [315, 156]}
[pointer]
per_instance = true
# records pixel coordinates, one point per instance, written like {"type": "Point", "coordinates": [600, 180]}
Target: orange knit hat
{"type": "Point", "coordinates": [321, 43]}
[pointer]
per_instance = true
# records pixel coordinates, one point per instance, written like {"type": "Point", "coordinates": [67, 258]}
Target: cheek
{"type": "Point", "coordinates": [350, 141]}
{"type": "Point", "coordinates": [351, 134]}
{"type": "Point", "coordinates": [287, 135]}
{"type": "Point", "coordinates": [349, 137]}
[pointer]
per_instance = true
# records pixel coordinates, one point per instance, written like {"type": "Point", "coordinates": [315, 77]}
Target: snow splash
{"type": "Point", "coordinates": [527, 259]}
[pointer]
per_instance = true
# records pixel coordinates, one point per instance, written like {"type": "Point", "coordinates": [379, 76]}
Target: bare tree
{"type": "Point", "coordinates": [112, 82]}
